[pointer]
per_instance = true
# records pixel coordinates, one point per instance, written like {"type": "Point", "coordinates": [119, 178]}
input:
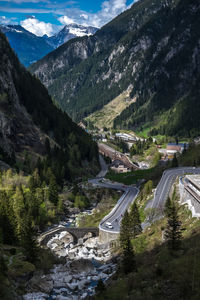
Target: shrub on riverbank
{"type": "Point", "coordinates": [107, 199]}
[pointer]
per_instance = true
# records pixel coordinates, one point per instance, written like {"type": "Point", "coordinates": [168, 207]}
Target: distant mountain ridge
{"type": "Point", "coordinates": [151, 50]}
{"type": "Point", "coordinates": [69, 32]}
{"type": "Point", "coordinates": [30, 48]}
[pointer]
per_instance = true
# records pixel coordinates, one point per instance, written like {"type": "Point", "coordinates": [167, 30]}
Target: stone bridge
{"type": "Point", "coordinates": [77, 233]}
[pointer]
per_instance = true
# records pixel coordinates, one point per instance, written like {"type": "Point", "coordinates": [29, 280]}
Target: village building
{"type": "Point", "coordinates": [173, 148]}
{"type": "Point", "coordinates": [119, 167]}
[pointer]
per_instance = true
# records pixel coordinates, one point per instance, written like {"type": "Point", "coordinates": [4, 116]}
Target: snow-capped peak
{"type": "Point", "coordinates": [70, 31]}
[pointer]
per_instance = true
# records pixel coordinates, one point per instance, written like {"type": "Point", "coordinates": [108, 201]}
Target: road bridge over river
{"type": "Point", "coordinates": [76, 233]}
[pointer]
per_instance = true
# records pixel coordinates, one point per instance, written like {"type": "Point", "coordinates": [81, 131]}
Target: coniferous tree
{"type": "Point", "coordinates": [168, 207]}
{"type": "Point", "coordinates": [174, 161]}
{"type": "Point", "coordinates": [53, 190]}
{"type": "Point", "coordinates": [34, 180]}
{"type": "Point", "coordinates": [19, 212]}
{"type": "Point", "coordinates": [125, 230]}
{"type": "Point", "coordinates": [173, 231]}
{"type": "Point", "coordinates": [135, 222]}
{"type": "Point", "coordinates": [60, 205]}
{"type": "Point", "coordinates": [6, 219]}
{"type": "Point", "coordinates": [29, 243]}
{"type": "Point", "coordinates": [128, 257]}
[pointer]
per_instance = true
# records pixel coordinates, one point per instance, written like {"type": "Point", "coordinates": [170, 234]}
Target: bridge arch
{"type": "Point", "coordinates": [76, 233]}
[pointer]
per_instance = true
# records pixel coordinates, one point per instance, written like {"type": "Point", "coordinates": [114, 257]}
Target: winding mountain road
{"type": "Point", "coordinates": [130, 194]}
{"type": "Point", "coordinates": [115, 216]}
{"type": "Point", "coordinates": [104, 167]}
{"type": "Point", "coordinates": [165, 184]}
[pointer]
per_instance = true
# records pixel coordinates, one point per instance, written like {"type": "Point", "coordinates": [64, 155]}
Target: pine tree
{"type": "Point", "coordinates": [28, 242]}
{"type": "Point", "coordinates": [125, 230]}
{"type": "Point", "coordinates": [173, 231]}
{"type": "Point", "coordinates": [174, 161]}
{"type": "Point", "coordinates": [60, 205]}
{"type": "Point", "coordinates": [168, 207]}
{"type": "Point", "coordinates": [53, 190]}
{"type": "Point", "coordinates": [6, 226]}
{"type": "Point", "coordinates": [135, 222]}
{"type": "Point", "coordinates": [19, 212]}
{"type": "Point", "coordinates": [128, 257]}
{"type": "Point", "coordinates": [34, 180]}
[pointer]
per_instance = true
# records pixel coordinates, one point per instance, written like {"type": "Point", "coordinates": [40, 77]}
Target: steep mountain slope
{"type": "Point", "coordinates": [69, 32]}
{"type": "Point", "coordinates": [27, 45]}
{"type": "Point", "coordinates": [152, 48]}
{"type": "Point", "coordinates": [106, 116]}
{"type": "Point", "coordinates": [28, 120]}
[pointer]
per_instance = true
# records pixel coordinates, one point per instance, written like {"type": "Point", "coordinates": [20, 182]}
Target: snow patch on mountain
{"type": "Point", "coordinates": [69, 32]}
{"type": "Point", "coordinates": [79, 31]}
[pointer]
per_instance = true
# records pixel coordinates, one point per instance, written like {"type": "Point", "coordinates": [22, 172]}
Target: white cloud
{"type": "Point", "coordinates": [7, 21]}
{"type": "Point", "coordinates": [109, 10]}
{"type": "Point", "coordinates": [65, 20]}
{"type": "Point", "coordinates": [65, 14]}
{"type": "Point", "coordinates": [84, 16]}
{"type": "Point", "coordinates": [39, 27]}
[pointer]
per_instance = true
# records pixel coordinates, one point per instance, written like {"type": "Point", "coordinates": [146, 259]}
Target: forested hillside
{"type": "Point", "coordinates": [33, 131]}
{"type": "Point", "coordinates": [42, 150]}
{"type": "Point", "coordinates": [152, 49]}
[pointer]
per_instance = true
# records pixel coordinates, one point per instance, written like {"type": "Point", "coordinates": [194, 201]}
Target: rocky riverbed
{"type": "Point", "coordinates": [88, 247]}
{"type": "Point", "coordinates": [74, 280]}
{"type": "Point", "coordinates": [87, 262]}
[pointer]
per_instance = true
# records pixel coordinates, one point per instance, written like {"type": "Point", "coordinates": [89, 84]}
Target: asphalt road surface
{"type": "Point", "coordinates": [115, 216]}
{"type": "Point", "coordinates": [117, 213]}
{"type": "Point", "coordinates": [130, 194]}
{"type": "Point", "coordinates": [104, 167]}
{"type": "Point", "coordinates": [165, 184]}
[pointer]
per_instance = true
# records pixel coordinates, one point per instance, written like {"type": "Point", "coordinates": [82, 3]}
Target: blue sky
{"type": "Point", "coordinates": [49, 16]}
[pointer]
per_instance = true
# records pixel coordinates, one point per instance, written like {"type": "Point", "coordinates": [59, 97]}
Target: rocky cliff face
{"type": "Point", "coordinates": [17, 130]}
{"type": "Point", "coordinates": [152, 47]}
{"type": "Point", "coordinates": [28, 117]}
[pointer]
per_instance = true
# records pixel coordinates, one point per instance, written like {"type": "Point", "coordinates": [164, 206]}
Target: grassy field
{"type": "Point", "coordinates": [106, 116]}
{"type": "Point", "coordinates": [144, 132]}
{"type": "Point", "coordinates": [132, 177]}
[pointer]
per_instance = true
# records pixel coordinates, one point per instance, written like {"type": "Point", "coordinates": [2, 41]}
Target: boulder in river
{"type": "Point", "coordinates": [35, 296]}
{"type": "Point", "coordinates": [40, 284]}
{"type": "Point", "coordinates": [81, 265]}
